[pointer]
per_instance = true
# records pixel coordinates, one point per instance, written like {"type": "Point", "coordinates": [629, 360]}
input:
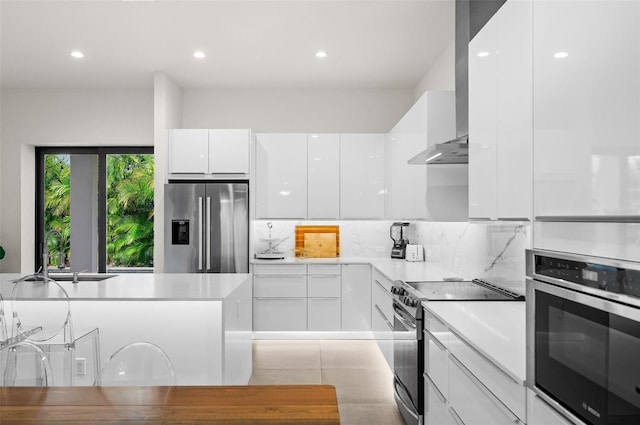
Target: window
{"type": "Point", "coordinates": [95, 208]}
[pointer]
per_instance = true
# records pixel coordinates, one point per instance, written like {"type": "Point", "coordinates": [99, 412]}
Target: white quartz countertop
{"type": "Point", "coordinates": [394, 269]}
{"type": "Point", "coordinates": [147, 286]}
{"type": "Point", "coordinates": [494, 328]}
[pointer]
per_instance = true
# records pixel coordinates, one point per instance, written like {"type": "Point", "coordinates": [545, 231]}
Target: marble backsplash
{"type": "Point", "coordinates": [494, 251]}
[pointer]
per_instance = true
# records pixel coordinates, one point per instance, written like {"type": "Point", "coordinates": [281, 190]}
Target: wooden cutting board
{"type": "Point", "coordinates": [318, 241]}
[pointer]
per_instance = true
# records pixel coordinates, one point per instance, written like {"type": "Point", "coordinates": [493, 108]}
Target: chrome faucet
{"type": "Point", "coordinates": [45, 253]}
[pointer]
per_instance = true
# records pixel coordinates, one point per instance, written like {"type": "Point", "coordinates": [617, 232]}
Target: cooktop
{"type": "Point", "coordinates": [475, 290]}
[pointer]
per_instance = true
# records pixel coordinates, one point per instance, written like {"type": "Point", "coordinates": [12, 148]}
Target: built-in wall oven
{"type": "Point", "coordinates": [583, 336]}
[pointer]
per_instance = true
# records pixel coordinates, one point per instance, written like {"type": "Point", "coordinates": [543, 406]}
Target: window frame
{"type": "Point", "coordinates": [101, 152]}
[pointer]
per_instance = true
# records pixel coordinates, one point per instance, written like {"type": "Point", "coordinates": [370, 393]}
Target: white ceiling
{"type": "Point", "coordinates": [249, 44]}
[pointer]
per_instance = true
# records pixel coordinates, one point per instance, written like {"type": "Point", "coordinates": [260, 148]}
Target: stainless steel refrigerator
{"type": "Point", "coordinates": [206, 227]}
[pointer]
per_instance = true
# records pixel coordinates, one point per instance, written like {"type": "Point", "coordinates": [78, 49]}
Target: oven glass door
{"type": "Point", "coordinates": [587, 355]}
{"type": "Point", "coordinates": [406, 358]}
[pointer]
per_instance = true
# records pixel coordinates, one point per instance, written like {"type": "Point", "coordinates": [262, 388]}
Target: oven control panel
{"type": "Point", "coordinates": [605, 277]}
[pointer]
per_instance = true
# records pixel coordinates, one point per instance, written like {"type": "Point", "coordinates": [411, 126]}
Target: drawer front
{"type": "Point", "coordinates": [436, 409]}
{"type": "Point", "coordinates": [324, 314]}
{"type": "Point", "coordinates": [323, 286]}
{"type": "Point", "coordinates": [330, 269]}
{"type": "Point", "coordinates": [437, 328]}
{"type": "Point", "coordinates": [436, 362]}
{"type": "Point", "coordinates": [279, 286]}
{"type": "Point", "coordinates": [280, 314]}
{"type": "Point", "coordinates": [381, 279]}
{"type": "Point", "coordinates": [383, 300]}
{"type": "Point", "coordinates": [498, 382]}
{"type": "Point", "coordinates": [473, 402]}
{"type": "Point", "coordinates": [279, 269]}
{"type": "Point", "coordinates": [383, 333]}
{"type": "Point", "coordinates": [540, 413]}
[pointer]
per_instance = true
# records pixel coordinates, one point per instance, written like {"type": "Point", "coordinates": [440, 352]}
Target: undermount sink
{"type": "Point", "coordinates": [68, 277]}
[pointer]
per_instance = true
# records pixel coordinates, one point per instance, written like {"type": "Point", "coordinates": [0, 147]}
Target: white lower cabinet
{"type": "Point", "coordinates": [540, 413]}
{"type": "Point", "coordinates": [356, 297]}
{"type": "Point", "coordinates": [323, 314]}
{"type": "Point", "coordinates": [279, 314]}
{"type": "Point", "coordinates": [436, 408]}
{"type": "Point", "coordinates": [472, 401]}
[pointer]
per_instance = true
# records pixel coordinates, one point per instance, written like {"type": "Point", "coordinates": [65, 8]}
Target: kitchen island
{"type": "Point", "coordinates": [202, 321]}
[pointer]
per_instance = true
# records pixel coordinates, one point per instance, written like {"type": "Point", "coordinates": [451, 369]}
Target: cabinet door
{"type": "Point", "coordinates": [586, 108]}
{"type": "Point", "coordinates": [408, 183]}
{"type": "Point", "coordinates": [362, 176]}
{"type": "Point", "coordinates": [473, 402]}
{"type": "Point", "coordinates": [540, 413]}
{"type": "Point", "coordinates": [188, 151]}
{"type": "Point", "coordinates": [514, 153]}
{"type": "Point", "coordinates": [383, 333]}
{"type": "Point", "coordinates": [324, 176]}
{"type": "Point", "coordinates": [356, 297]}
{"type": "Point", "coordinates": [482, 123]}
{"type": "Point", "coordinates": [436, 410]}
{"type": "Point", "coordinates": [281, 176]}
{"type": "Point", "coordinates": [279, 314]}
{"type": "Point", "coordinates": [323, 314]}
{"type": "Point", "coordinates": [229, 151]}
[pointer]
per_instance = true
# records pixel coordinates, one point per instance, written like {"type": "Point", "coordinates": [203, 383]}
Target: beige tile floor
{"type": "Point", "coordinates": [363, 380]}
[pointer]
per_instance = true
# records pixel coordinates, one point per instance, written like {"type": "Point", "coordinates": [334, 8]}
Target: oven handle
{"type": "Point", "coordinates": [404, 321]}
{"type": "Point", "coordinates": [496, 401]}
{"type": "Point", "coordinates": [397, 312]}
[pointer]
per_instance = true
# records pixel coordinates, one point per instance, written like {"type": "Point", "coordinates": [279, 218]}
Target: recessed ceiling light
{"type": "Point", "coordinates": [483, 54]}
{"type": "Point", "coordinates": [77, 54]}
{"type": "Point", "coordinates": [321, 54]}
{"type": "Point", "coordinates": [560, 55]}
{"type": "Point", "coordinates": [199, 54]}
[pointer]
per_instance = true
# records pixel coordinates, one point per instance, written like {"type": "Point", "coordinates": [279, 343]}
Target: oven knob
{"type": "Point", "coordinates": [398, 290]}
{"type": "Point", "coordinates": [410, 301]}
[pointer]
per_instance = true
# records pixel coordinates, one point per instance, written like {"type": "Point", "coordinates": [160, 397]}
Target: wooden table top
{"type": "Point", "coordinates": [184, 405]}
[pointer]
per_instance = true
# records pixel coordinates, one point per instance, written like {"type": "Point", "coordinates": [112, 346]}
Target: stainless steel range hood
{"type": "Point", "coordinates": [455, 151]}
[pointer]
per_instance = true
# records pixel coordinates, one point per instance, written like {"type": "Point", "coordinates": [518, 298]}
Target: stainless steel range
{"type": "Point", "coordinates": [408, 349]}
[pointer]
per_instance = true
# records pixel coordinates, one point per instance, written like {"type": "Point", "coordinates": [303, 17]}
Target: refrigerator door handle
{"type": "Point", "coordinates": [200, 233]}
{"type": "Point", "coordinates": [208, 234]}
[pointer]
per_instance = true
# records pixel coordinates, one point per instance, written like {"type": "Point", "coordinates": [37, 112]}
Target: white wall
{"type": "Point", "coordinates": [303, 110]}
{"type": "Point", "coordinates": [441, 75]}
{"type": "Point", "coordinates": [52, 117]}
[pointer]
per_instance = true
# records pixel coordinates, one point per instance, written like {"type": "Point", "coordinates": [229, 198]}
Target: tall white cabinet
{"type": "Point", "coordinates": [500, 116]}
{"type": "Point", "coordinates": [281, 175]}
{"type": "Point", "coordinates": [362, 176]}
{"type": "Point", "coordinates": [587, 109]}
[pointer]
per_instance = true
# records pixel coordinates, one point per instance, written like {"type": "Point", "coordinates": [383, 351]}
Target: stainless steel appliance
{"type": "Point", "coordinates": [408, 347]}
{"type": "Point", "coordinates": [583, 336]}
{"type": "Point", "coordinates": [206, 227]}
{"type": "Point", "coordinates": [400, 242]}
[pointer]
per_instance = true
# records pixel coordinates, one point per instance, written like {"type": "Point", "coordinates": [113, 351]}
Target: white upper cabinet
{"type": "Point", "coordinates": [408, 183]}
{"type": "Point", "coordinates": [323, 171]}
{"type": "Point", "coordinates": [587, 109]}
{"type": "Point", "coordinates": [514, 154]}
{"type": "Point", "coordinates": [229, 151]}
{"type": "Point", "coordinates": [202, 151]}
{"type": "Point", "coordinates": [188, 151]}
{"type": "Point", "coordinates": [281, 175]}
{"type": "Point", "coordinates": [362, 176]}
{"type": "Point", "coordinates": [482, 122]}
{"type": "Point", "coordinates": [500, 121]}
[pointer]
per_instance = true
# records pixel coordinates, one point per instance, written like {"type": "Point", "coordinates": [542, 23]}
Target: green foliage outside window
{"type": "Point", "coordinates": [130, 191]}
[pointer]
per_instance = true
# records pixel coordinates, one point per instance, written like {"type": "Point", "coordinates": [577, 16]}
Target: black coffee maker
{"type": "Point", "coordinates": [400, 242]}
